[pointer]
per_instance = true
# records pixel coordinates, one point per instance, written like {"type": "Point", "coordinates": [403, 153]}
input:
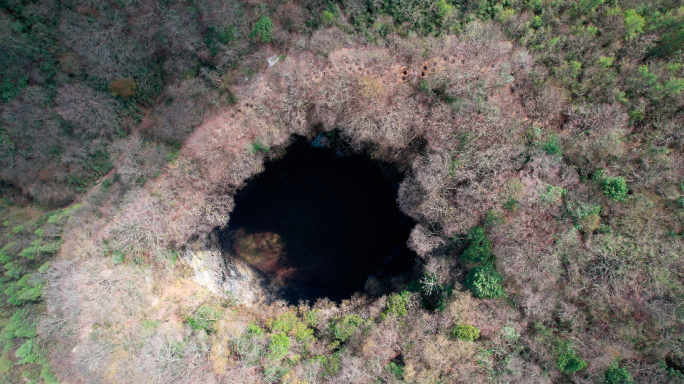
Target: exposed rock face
{"type": "Point", "coordinates": [223, 274]}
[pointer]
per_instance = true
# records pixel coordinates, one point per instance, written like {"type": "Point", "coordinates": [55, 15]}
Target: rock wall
{"type": "Point", "coordinates": [224, 274]}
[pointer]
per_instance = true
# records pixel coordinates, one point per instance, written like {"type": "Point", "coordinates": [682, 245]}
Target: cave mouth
{"type": "Point", "coordinates": [321, 223]}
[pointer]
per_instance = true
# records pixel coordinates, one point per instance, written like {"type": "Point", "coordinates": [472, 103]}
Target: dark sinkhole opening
{"type": "Point", "coordinates": [321, 224]}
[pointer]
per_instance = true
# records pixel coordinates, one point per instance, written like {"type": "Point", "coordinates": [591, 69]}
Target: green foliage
{"type": "Point", "coordinates": [5, 363]}
{"type": "Point", "coordinates": [10, 87]}
{"type": "Point", "coordinates": [14, 269]}
{"type": "Point", "coordinates": [343, 328]}
{"type": "Point", "coordinates": [670, 42]}
{"type": "Point", "coordinates": [47, 375]}
{"type": "Point", "coordinates": [634, 24]}
{"type": "Point", "coordinates": [567, 359]}
{"type": "Point", "coordinates": [614, 187]}
{"type": "Point", "coordinates": [278, 346]}
{"type": "Point", "coordinates": [465, 332]}
{"type": "Point", "coordinates": [444, 8]}
{"type": "Point", "coordinates": [494, 217]}
{"type": "Point", "coordinates": [482, 279]}
{"type": "Point", "coordinates": [20, 325]}
{"type": "Point", "coordinates": [509, 334]}
{"type": "Point", "coordinates": [311, 317]}
{"type": "Point", "coordinates": [40, 247]}
{"type": "Point", "coordinates": [273, 373]}
{"type": "Point", "coordinates": [227, 34]}
{"type": "Point", "coordinates": [61, 216]}
{"type": "Point", "coordinates": [28, 288]}
{"type": "Point", "coordinates": [574, 67]}
{"type": "Point", "coordinates": [288, 323]}
{"type": "Point", "coordinates": [617, 375]}
{"type": "Point", "coordinates": [204, 317]}
{"type": "Point", "coordinates": [552, 145]}
{"type": "Point", "coordinates": [552, 194]}
{"type": "Point", "coordinates": [331, 365]}
{"type": "Point", "coordinates": [485, 282]}
{"type": "Point", "coordinates": [29, 352]}
{"type": "Point", "coordinates": [257, 146]}
{"type": "Point", "coordinates": [283, 323]}
{"type": "Point", "coordinates": [174, 152]}
{"type": "Point", "coordinates": [396, 369]}
{"type": "Point", "coordinates": [511, 204]}
{"type": "Point", "coordinates": [150, 324]}
{"type": "Point", "coordinates": [605, 62]}
{"type": "Point", "coordinates": [254, 330]}
{"type": "Point", "coordinates": [96, 166]}
{"type": "Point", "coordinates": [585, 216]}
{"type": "Point", "coordinates": [327, 18]}
{"type": "Point", "coordinates": [479, 252]}
{"type": "Point", "coordinates": [262, 30]}
{"type": "Point", "coordinates": [302, 333]}
{"type": "Point", "coordinates": [117, 257]}
{"type": "Point", "coordinates": [396, 304]}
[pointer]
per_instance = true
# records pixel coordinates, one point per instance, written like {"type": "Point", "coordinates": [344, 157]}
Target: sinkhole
{"type": "Point", "coordinates": [321, 223]}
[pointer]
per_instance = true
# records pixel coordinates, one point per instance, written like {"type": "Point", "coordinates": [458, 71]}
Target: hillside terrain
{"type": "Point", "coordinates": [534, 149]}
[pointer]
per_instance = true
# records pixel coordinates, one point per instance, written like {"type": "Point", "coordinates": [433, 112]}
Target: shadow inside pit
{"type": "Point", "coordinates": [320, 224]}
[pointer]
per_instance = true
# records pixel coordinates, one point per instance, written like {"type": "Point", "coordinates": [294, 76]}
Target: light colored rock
{"type": "Point", "coordinates": [222, 273]}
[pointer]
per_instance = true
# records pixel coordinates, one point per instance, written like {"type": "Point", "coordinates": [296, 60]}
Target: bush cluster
{"type": "Point", "coordinates": [482, 278]}
{"type": "Point", "coordinates": [465, 332]}
{"type": "Point", "coordinates": [567, 359]}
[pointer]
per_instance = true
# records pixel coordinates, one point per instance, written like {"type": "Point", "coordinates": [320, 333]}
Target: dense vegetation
{"type": "Point", "coordinates": [542, 142]}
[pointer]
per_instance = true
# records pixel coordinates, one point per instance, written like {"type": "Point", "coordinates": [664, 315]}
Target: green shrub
{"type": "Point", "coordinates": [288, 323]}
{"type": "Point", "coordinates": [331, 365]}
{"type": "Point", "coordinates": [485, 282]}
{"type": "Point", "coordinates": [254, 330]}
{"type": "Point", "coordinates": [311, 318]}
{"type": "Point", "coordinates": [5, 363]}
{"type": "Point", "coordinates": [343, 328]}
{"type": "Point", "coordinates": [29, 352]}
{"type": "Point", "coordinates": [21, 325]}
{"type": "Point", "coordinates": [47, 375]}
{"type": "Point", "coordinates": [117, 258]}
{"type": "Point", "coordinates": [204, 317]}
{"type": "Point", "coordinates": [616, 375]}
{"type": "Point", "coordinates": [614, 187]}
{"type": "Point", "coordinates": [263, 29]}
{"type": "Point", "coordinates": [511, 204]}
{"type": "Point", "coordinates": [40, 247]}
{"type": "Point", "coordinates": [634, 24]}
{"type": "Point", "coordinates": [585, 216]}
{"type": "Point", "coordinates": [14, 269]}
{"type": "Point", "coordinates": [273, 373]}
{"type": "Point", "coordinates": [552, 194]}
{"type": "Point", "coordinates": [257, 146]}
{"type": "Point", "coordinates": [327, 18]}
{"type": "Point", "coordinates": [552, 145]}
{"type": "Point", "coordinates": [278, 346]}
{"type": "Point", "coordinates": [301, 332]}
{"type": "Point", "coordinates": [396, 304]}
{"type": "Point", "coordinates": [26, 289]}
{"type": "Point", "coordinates": [567, 359]}
{"type": "Point", "coordinates": [509, 333]}
{"type": "Point", "coordinates": [282, 323]}
{"type": "Point", "coordinates": [61, 216]}
{"type": "Point", "coordinates": [444, 9]}
{"type": "Point", "coordinates": [396, 369]}
{"type": "Point", "coordinates": [465, 332]}
{"type": "Point", "coordinates": [605, 62]}
{"type": "Point", "coordinates": [479, 252]}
